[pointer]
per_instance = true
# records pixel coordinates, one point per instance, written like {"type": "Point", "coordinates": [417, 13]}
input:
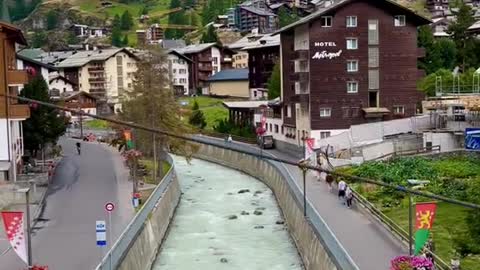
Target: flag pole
{"type": "Point", "coordinates": [29, 236]}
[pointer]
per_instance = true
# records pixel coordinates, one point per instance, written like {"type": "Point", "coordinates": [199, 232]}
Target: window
{"type": "Point", "coordinates": [174, 70]}
{"type": "Point", "coordinates": [181, 62]}
{"type": "Point", "coordinates": [282, 130]}
{"type": "Point", "coordinates": [64, 89]}
{"type": "Point", "coordinates": [399, 20]}
{"type": "Point", "coordinates": [215, 60]}
{"type": "Point", "coordinates": [325, 134]}
{"type": "Point", "coordinates": [326, 21]}
{"type": "Point", "coordinates": [253, 70]}
{"type": "Point", "coordinates": [346, 112]}
{"type": "Point", "coordinates": [351, 21]}
{"type": "Point", "coordinates": [276, 128]}
{"type": "Point", "coordinates": [373, 79]}
{"type": "Point", "coordinates": [373, 57]}
{"type": "Point", "coordinates": [129, 85]}
{"type": "Point", "coordinates": [174, 80]}
{"type": "Point", "coordinates": [372, 32]}
{"type": "Point", "coordinates": [254, 93]}
{"type": "Point", "coordinates": [399, 110]}
{"type": "Point", "coordinates": [325, 112]}
{"type": "Point", "coordinates": [352, 87]}
{"type": "Point", "coordinates": [352, 43]}
{"type": "Point", "coordinates": [271, 129]}
{"type": "Point", "coordinates": [354, 111]}
{"type": "Point", "coordinates": [289, 111]}
{"type": "Point", "coordinates": [352, 65]}
{"type": "Point", "coordinates": [183, 80]}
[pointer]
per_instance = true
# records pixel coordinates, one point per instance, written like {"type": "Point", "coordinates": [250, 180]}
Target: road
{"type": "Point", "coordinates": [369, 245]}
{"type": "Point", "coordinates": [64, 236]}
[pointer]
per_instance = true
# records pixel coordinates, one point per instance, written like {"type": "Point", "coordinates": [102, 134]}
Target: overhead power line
{"type": "Point", "coordinates": [246, 152]}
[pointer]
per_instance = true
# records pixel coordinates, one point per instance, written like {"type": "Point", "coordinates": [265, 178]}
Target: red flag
{"type": "Point", "coordinates": [425, 214]}
{"type": "Point", "coordinates": [13, 222]}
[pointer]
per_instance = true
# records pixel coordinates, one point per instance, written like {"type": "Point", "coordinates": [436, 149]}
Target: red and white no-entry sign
{"type": "Point", "coordinates": [109, 207]}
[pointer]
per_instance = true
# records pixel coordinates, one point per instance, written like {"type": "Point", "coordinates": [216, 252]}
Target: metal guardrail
{"type": "Point", "coordinates": [116, 254]}
{"type": "Point", "coordinates": [234, 137]}
{"type": "Point", "coordinates": [394, 227]}
{"type": "Point", "coordinates": [416, 151]}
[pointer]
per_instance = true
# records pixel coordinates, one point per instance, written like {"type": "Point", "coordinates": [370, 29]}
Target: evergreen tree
{"type": "Point", "coordinates": [197, 119]}
{"type": "Point", "coordinates": [126, 21]}
{"type": "Point", "coordinates": [286, 17]}
{"type": "Point", "coordinates": [458, 31]}
{"type": "Point", "coordinates": [45, 125]}
{"type": "Point", "coordinates": [39, 39]}
{"type": "Point", "coordinates": [210, 35]}
{"type": "Point", "coordinates": [72, 38]}
{"type": "Point", "coordinates": [125, 40]}
{"type": "Point", "coordinates": [274, 83]}
{"type": "Point", "coordinates": [116, 37]}
{"type": "Point", "coordinates": [446, 52]}
{"type": "Point", "coordinates": [4, 12]}
{"type": "Point", "coordinates": [52, 19]}
{"type": "Point", "coordinates": [116, 22]}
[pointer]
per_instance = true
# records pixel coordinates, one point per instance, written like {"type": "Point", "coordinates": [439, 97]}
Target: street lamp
{"type": "Point", "coordinates": [415, 184]}
{"type": "Point", "coordinates": [26, 191]}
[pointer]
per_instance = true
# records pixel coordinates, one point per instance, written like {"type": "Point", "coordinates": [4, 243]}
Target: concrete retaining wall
{"type": "Point", "coordinates": [309, 242]}
{"type": "Point", "coordinates": [143, 251]}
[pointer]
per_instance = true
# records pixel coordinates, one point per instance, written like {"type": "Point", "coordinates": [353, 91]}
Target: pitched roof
{"type": "Point", "coordinates": [173, 43]}
{"type": "Point", "coordinates": [36, 62]}
{"type": "Point", "coordinates": [179, 55]}
{"type": "Point", "coordinates": [341, 3]}
{"type": "Point", "coordinates": [60, 77]}
{"type": "Point", "coordinates": [258, 11]}
{"type": "Point", "coordinates": [31, 53]}
{"type": "Point", "coordinates": [230, 75]}
{"type": "Point", "coordinates": [245, 41]}
{"type": "Point", "coordinates": [82, 58]}
{"type": "Point", "coordinates": [70, 95]}
{"type": "Point", "coordinates": [196, 48]}
{"type": "Point", "coordinates": [266, 41]}
{"type": "Point", "coordinates": [54, 57]}
{"type": "Point", "coordinates": [245, 104]}
{"type": "Point", "coordinates": [12, 29]}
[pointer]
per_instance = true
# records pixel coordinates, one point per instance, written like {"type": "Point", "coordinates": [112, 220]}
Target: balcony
{"type": "Point", "coordinates": [18, 111]}
{"type": "Point", "coordinates": [205, 68]}
{"type": "Point", "coordinates": [17, 77]}
{"type": "Point", "coordinates": [301, 55]}
{"type": "Point", "coordinates": [97, 80]}
{"type": "Point", "coordinates": [300, 76]}
{"type": "Point", "coordinates": [301, 98]}
{"type": "Point", "coordinates": [204, 59]}
{"type": "Point", "coordinates": [301, 88]}
{"type": "Point", "coordinates": [421, 53]}
{"type": "Point", "coordinates": [96, 69]}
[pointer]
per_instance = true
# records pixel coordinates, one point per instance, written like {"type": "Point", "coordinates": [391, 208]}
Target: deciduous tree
{"type": "Point", "coordinates": [274, 83]}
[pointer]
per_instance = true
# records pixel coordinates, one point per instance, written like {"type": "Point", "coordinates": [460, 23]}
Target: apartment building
{"type": "Point", "coordinates": [105, 74]}
{"type": "Point", "coordinates": [152, 35]}
{"type": "Point", "coordinates": [11, 113]}
{"type": "Point", "coordinates": [352, 62]}
{"type": "Point", "coordinates": [207, 59]}
{"type": "Point", "coordinates": [178, 72]}
{"type": "Point", "coordinates": [263, 54]}
{"type": "Point", "coordinates": [85, 31]}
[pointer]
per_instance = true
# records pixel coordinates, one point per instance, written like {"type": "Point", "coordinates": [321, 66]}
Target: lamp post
{"type": "Point", "coordinates": [29, 238]}
{"type": "Point", "coordinates": [415, 184]}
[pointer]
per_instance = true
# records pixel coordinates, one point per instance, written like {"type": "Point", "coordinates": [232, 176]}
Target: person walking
{"type": "Point", "coordinates": [342, 186]}
{"type": "Point", "coordinates": [229, 138]}
{"type": "Point", "coordinates": [329, 181]}
{"type": "Point", "coordinates": [349, 196]}
{"type": "Point", "coordinates": [78, 145]}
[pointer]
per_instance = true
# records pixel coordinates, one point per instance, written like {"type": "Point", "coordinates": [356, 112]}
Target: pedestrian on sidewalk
{"type": "Point", "coordinates": [349, 195]}
{"type": "Point", "coordinates": [342, 186]}
{"type": "Point", "coordinates": [229, 138]}
{"type": "Point", "coordinates": [329, 181]}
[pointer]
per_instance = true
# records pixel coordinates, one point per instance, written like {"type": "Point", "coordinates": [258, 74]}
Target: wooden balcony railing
{"type": "Point", "coordinates": [17, 77]}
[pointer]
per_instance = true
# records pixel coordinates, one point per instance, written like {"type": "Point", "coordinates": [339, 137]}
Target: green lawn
{"type": "Point", "coordinates": [97, 124]}
{"type": "Point", "coordinates": [149, 165]}
{"type": "Point", "coordinates": [212, 108]}
{"type": "Point", "coordinates": [448, 220]}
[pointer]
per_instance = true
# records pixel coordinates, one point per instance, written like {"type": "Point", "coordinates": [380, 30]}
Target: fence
{"type": "Point", "coordinates": [394, 227]}
{"type": "Point", "coordinates": [115, 255]}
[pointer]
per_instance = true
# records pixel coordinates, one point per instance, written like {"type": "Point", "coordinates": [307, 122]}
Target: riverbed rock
{"type": "Point", "coordinates": [258, 192]}
{"type": "Point", "coordinates": [280, 222]}
{"type": "Point", "coordinates": [260, 208]}
{"type": "Point", "coordinates": [229, 193]}
{"type": "Point", "coordinates": [244, 213]}
{"type": "Point", "coordinates": [232, 217]}
{"type": "Point", "coordinates": [257, 212]}
{"type": "Point", "coordinates": [223, 260]}
{"type": "Point", "coordinates": [243, 191]}
{"type": "Point", "coordinates": [259, 227]}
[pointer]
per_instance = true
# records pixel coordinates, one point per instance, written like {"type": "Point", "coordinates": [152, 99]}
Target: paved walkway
{"type": "Point", "coordinates": [64, 236]}
{"type": "Point", "coordinates": [369, 245]}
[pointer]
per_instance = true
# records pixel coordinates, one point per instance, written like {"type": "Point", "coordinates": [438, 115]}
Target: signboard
{"type": "Point", "coordinates": [109, 207]}
{"type": "Point", "coordinates": [101, 233]}
{"type": "Point", "coordinates": [472, 138]}
{"type": "Point", "coordinates": [326, 54]}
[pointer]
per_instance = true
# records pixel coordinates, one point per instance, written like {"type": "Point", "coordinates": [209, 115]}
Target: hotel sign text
{"type": "Point", "coordinates": [326, 54]}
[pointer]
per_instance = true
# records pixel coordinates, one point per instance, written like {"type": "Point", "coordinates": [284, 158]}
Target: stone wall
{"type": "Point", "coordinates": [143, 251]}
{"type": "Point", "coordinates": [309, 241]}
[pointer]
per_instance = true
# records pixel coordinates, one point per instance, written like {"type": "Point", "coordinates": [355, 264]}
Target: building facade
{"type": "Point", "coordinates": [207, 59]}
{"type": "Point", "coordinates": [229, 83]}
{"type": "Point", "coordinates": [178, 71]}
{"type": "Point", "coordinates": [350, 63]}
{"type": "Point", "coordinates": [251, 17]}
{"type": "Point", "coordinates": [11, 113]}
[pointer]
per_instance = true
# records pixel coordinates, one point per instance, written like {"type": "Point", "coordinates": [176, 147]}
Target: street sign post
{"type": "Point", "coordinates": [101, 233]}
{"type": "Point", "coordinates": [109, 208]}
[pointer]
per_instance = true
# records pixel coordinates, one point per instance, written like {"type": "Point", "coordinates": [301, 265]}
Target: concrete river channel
{"type": "Point", "coordinates": [225, 220]}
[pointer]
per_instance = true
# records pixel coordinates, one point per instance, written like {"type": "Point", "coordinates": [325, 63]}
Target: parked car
{"type": "Point", "coordinates": [266, 142]}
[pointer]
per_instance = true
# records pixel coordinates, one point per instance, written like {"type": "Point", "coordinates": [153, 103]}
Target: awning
{"type": "Point", "coordinates": [5, 165]}
{"type": "Point", "coordinates": [375, 112]}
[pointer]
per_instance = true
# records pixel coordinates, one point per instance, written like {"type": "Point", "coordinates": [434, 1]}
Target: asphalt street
{"type": "Point", "coordinates": [64, 236]}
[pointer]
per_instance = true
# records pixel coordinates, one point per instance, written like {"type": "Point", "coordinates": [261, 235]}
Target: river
{"type": "Point", "coordinates": [225, 220]}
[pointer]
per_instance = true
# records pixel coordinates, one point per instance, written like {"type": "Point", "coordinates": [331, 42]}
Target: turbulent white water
{"type": "Point", "coordinates": [203, 237]}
